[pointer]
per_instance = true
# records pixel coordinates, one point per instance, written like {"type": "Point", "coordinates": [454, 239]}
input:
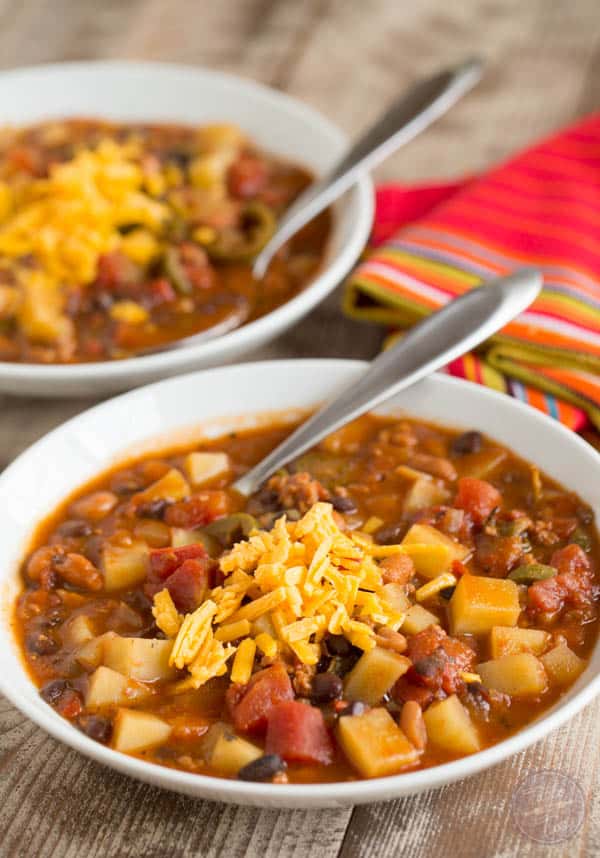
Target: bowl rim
{"type": "Point", "coordinates": [341, 793]}
{"type": "Point", "coordinates": [362, 208]}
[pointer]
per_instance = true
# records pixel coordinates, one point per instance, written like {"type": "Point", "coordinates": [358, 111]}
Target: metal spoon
{"type": "Point", "coordinates": [458, 327]}
{"type": "Point", "coordinates": [414, 111]}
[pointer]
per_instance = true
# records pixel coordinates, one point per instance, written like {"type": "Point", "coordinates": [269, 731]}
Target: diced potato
{"type": "Point", "coordinates": [173, 486]}
{"type": "Point", "coordinates": [227, 753]}
{"type": "Point", "coordinates": [137, 731]}
{"type": "Point", "coordinates": [374, 674]}
{"type": "Point", "coordinates": [124, 566]}
{"type": "Point", "coordinates": [479, 603]}
{"type": "Point", "coordinates": [481, 464]}
{"type": "Point", "coordinates": [449, 726]}
{"type": "Point", "coordinates": [423, 493]}
{"type": "Point", "coordinates": [395, 596]}
{"type": "Point", "coordinates": [141, 658]}
{"type": "Point", "coordinates": [507, 640]}
{"type": "Point", "coordinates": [520, 674]}
{"type": "Point", "coordinates": [109, 688]}
{"type": "Point", "coordinates": [432, 551]}
{"type": "Point", "coordinates": [562, 665]}
{"type": "Point", "coordinates": [77, 631]}
{"type": "Point", "coordinates": [374, 744]}
{"type": "Point", "coordinates": [201, 468]}
{"type": "Point", "coordinates": [417, 619]}
{"type": "Point", "coordinates": [91, 654]}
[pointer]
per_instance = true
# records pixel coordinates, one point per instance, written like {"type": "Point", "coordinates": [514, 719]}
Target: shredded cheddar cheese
{"type": "Point", "coordinates": [68, 220]}
{"type": "Point", "coordinates": [301, 580]}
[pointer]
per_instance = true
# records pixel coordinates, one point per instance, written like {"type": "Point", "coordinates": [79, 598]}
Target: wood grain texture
{"type": "Point", "coordinates": [543, 70]}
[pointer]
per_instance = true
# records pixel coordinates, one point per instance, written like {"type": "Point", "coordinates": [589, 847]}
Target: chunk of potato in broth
{"type": "Point", "coordinates": [375, 744]}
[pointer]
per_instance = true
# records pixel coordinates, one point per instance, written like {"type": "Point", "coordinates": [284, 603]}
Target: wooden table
{"type": "Point", "coordinates": [543, 70]}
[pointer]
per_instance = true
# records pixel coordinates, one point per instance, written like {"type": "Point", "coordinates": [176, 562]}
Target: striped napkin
{"type": "Point", "coordinates": [541, 208]}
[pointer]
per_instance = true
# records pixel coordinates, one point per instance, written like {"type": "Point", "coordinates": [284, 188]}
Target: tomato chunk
{"type": "Point", "coordinates": [164, 561]}
{"type": "Point", "coordinates": [247, 176]}
{"type": "Point", "coordinates": [188, 585]}
{"type": "Point", "coordinates": [478, 498]}
{"type": "Point", "coordinates": [250, 706]}
{"type": "Point", "coordinates": [200, 509]}
{"type": "Point", "coordinates": [298, 733]}
{"type": "Point", "coordinates": [572, 585]}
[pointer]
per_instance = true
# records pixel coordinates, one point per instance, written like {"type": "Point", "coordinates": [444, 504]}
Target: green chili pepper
{"type": "Point", "coordinates": [230, 529]}
{"type": "Point", "coordinates": [176, 273]}
{"type": "Point", "coordinates": [527, 573]}
{"type": "Point", "coordinates": [243, 243]}
{"type": "Point", "coordinates": [581, 538]}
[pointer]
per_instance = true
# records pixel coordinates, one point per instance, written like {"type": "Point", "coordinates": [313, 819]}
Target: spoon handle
{"type": "Point", "coordinates": [455, 329]}
{"type": "Point", "coordinates": [408, 116]}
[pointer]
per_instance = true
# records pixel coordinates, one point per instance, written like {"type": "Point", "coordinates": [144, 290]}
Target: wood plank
{"type": "Point", "coordinates": [347, 61]}
{"type": "Point", "coordinates": [473, 818]}
{"type": "Point", "coordinates": [55, 802]}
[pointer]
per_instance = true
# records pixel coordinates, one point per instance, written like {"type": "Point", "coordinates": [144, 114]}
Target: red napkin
{"type": "Point", "coordinates": [542, 208]}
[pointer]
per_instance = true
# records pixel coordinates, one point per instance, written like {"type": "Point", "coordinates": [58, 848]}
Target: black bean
{"type": "Point", "coordinates": [427, 666]}
{"type": "Point", "coordinates": [447, 592]}
{"type": "Point", "coordinates": [152, 509]}
{"type": "Point", "coordinates": [94, 548]}
{"type": "Point", "coordinates": [138, 600]}
{"type": "Point", "coordinates": [262, 769]}
{"type": "Point", "coordinates": [126, 482]}
{"type": "Point", "coordinates": [468, 442]}
{"type": "Point", "coordinates": [343, 504]}
{"type": "Point", "coordinates": [98, 729]}
{"type": "Point", "coordinates": [338, 645]}
{"type": "Point", "coordinates": [40, 643]}
{"type": "Point", "coordinates": [325, 687]}
{"type": "Point", "coordinates": [265, 500]}
{"type": "Point", "coordinates": [391, 534]}
{"type": "Point", "coordinates": [52, 691]}
{"type": "Point", "coordinates": [354, 708]}
{"type": "Point", "coordinates": [74, 528]}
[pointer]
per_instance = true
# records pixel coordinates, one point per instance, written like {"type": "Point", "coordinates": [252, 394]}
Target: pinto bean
{"type": "Point", "coordinates": [434, 465]}
{"type": "Point", "coordinates": [78, 571]}
{"type": "Point", "coordinates": [389, 639]}
{"type": "Point", "coordinates": [413, 725]}
{"type": "Point", "coordinates": [397, 569]}
{"type": "Point", "coordinates": [96, 506]}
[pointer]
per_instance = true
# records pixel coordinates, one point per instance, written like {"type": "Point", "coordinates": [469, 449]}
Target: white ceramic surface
{"type": "Point", "coordinates": [210, 402]}
{"type": "Point", "coordinates": [132, 91]}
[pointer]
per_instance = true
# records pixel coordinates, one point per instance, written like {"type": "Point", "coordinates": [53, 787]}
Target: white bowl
{"type": "Point", "coordinates": [132, 91]}
{"type": "Point", "coordinates": [210, 403]}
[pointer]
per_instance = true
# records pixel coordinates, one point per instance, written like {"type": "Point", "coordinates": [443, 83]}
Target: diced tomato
{"type": "Point", "coordinates": [404, 690]}
{"type": "Point", "coordinates": [438, 660]}
{"type": "Point", "coordinates": [164, 561]}
{"type": "Point", "coordinates": [478, 498]}
{"type": "Point", "coordinates": [115, 269]}
{"type": "Point", "coordinates": [298, 733]}
{"type": "Point", "coordinates": [188, 584]}
{"type": "Point", "coordinates": [572, 585]}
{"type": "Point", "coordinates": [200, 509]}
{"type": "Point", "coordinates": [497, 555]}
{"type": "Point", "coordinates": [161, 291]}
{"type": "Point", "coordinates": [247, 176]}
{"type": "Point", "coordinates": [27, 159]}
{"type": "Point", "coordinates": [250, 706]}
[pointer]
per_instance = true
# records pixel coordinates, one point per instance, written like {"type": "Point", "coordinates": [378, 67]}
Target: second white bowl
{"type": "Point", "coordinates": [136, 92]}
